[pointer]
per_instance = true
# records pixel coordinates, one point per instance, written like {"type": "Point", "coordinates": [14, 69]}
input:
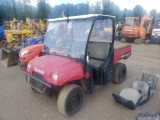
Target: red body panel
{"type": "Point", "coordinates": [121, 53]}
{"type": "Point", "coordinates": [66, 69]}
{"type": "Point", "coordinates": [33, 51]}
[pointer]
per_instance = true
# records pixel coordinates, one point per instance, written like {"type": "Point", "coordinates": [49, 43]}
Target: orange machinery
{"type": "Point", "coordinates": [136, 32]}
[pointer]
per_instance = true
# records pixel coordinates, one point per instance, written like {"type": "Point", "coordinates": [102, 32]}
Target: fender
{"type": "Point", "coordinates": [29, 53]}
{"type": "Point", "coordinates": [122, 53]}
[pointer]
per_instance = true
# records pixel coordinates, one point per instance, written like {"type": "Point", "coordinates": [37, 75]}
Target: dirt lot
{"type": "Point", "coordinates": [19, 102]}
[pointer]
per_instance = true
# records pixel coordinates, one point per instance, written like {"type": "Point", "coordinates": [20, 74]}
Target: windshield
{"type": "Point", "coordinates": [67, 38]}
{"type": "Point", "coordinates": [102, 31]}
{"type": "Point", "coordinates": [156, 24]}
{"type": "Point", "coordinates": [132, 22]}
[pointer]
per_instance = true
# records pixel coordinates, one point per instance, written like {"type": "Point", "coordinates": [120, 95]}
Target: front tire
{"type": "Point", "coordinates": [70, 100]}
{"type": "Point", "coordinates": [137, 41]}
{"type": "Point", "coordinates": [120, 73]}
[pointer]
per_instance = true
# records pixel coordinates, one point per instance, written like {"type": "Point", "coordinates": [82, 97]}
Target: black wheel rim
{"type": "Point", "coordinates": [122, 74]}
{"type": "Point", "coordinates": [74, 102]}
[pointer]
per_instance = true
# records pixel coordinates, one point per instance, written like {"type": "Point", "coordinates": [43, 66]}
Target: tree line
{"type": "Point", "coordinates": [24, 8]}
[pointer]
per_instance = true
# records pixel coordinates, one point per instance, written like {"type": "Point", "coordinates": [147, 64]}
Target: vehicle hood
{"type": "Point", "coordinates": [51, 62]}
{"type": "Point", "coordinates": [66, 69]}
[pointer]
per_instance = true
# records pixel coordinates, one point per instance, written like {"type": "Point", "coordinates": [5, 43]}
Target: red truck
{"type": "Point", "coordinates": [77, 55]}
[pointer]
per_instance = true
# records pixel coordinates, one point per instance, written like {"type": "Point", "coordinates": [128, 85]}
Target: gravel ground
{"type": "Point", "coordinates": [19, 102]}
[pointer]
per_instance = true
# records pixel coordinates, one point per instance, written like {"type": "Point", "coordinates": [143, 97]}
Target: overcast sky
{"type": "Point", "coordinates": [146, 4]}
{"type": "Point", "coordinates": [129, 4]}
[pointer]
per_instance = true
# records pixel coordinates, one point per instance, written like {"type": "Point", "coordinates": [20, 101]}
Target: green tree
{"type": "Point", "coordinates": [105, 6]}
{"type": "Point", "coordinates": [43, 9]}
{"type": "Point", "coordinates": [114, 10]}
{"type": "Point", "coordinates": [138, 11]}
{"type": "Point", "coordinates": [153, 13]}
{"type": "Point", "coordinates": [23, 8]}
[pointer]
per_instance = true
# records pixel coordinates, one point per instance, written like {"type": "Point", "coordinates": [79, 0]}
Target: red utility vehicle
{"type": "Point", "coordinates": [78, 55]}
{"type": "Point", "coordinates": [29, 53]}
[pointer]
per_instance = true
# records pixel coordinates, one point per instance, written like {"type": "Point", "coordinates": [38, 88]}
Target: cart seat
{"type": "Point", "coordinates": [130, 94]}
{"type": "Point", "coordinates": [98, 53]}
{"type": "Point", "coordinates": [140, 91]}
{"type": "Point", "coordinates": [151, 79]}
{"type": "Point", "coordinates": [95, 63]}
{"type": "Point", "coordinates": [132, 97]}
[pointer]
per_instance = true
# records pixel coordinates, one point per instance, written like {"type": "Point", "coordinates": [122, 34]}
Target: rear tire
{"type": "Point", "coordinates": [147, 42]}
{"type": "Point", "coordinates": [137, 41]}
{"type": "Point", "coordinates": [120, 73]}
{"type": "Point", "coordinates": [70, 100]}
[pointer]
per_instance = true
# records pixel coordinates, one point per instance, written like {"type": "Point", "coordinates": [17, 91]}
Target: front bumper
{"type": "Point", "coordinates": [37, 83]}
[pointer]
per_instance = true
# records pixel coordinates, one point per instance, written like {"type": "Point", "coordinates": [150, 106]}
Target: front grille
{"type": "Point", "coordinates": [37, 75]}
{"type": "Point", "coordinates": [38, 86]}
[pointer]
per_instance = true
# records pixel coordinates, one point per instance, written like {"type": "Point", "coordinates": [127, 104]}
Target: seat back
{"type": "Point", "coordinates": [129, 96]}
{"type": "Point", "coordinates": [151, 79]}
{"type": "Point", "coordinates": [98, 50]}
{"type": "Point", "coordinates": [144, 89]}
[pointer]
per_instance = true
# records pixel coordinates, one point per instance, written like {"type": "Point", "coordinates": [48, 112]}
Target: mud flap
{"type": "Point", "coordinates": [9, 58]}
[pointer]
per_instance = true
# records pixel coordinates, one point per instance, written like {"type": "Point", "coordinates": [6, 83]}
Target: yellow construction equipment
{"type": "Point", "coordinates": [7, 25]}
{"type": "Point", "coordinates": [43, 24]}
{"type": "Point", "coordinates": [30, 28]}
{"type": "Point", "coordinates": [14, 36]}
{"type": "Point", "coordinates": [11, 25]}
{"type": "Point", "coordinates": [9, 56]}
{"type": "Point", "coordinates": [32, 25]}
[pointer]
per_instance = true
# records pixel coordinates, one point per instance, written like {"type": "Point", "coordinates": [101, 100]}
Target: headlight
{"type": "Point", "coordinates": [28, 66]}
{"type": "Point", "coordinates": [54, 77]}
{"type": "Point", "coordinates": [24, 52]}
